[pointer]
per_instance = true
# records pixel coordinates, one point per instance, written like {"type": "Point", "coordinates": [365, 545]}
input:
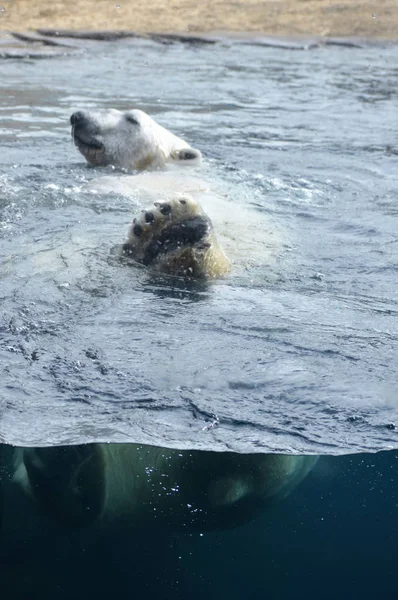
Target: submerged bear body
{"type": "Point", "coordinates": [180, 490]}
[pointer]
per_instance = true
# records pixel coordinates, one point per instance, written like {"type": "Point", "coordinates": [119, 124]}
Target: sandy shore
{"type": "Point", "coordinates": [377, 18]}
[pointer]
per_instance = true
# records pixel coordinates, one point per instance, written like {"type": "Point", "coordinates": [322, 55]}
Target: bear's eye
{"type": "Point", "coordinates": [131, 119]}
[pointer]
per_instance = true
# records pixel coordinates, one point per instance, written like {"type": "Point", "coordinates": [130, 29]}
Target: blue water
{"type": "Point", "coordinates": [334, 537]}
{"type": "Point", "coordinates": [302, 358]}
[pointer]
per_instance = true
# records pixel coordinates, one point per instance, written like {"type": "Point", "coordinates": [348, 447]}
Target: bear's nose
{"type": "Point", "coordinates": [77, 118]}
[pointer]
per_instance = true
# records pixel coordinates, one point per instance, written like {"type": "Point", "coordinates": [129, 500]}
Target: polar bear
{"type": "Point", "coordinates": [181, 241]}
{"type": "Point", "coordinates": [173, 236]}
{"type": "Point", "coordinates": [143, 485]}
{"type": "Point", "coordinates": [131, 140]}
{"type": "Point", "coordinates": [184, 490]}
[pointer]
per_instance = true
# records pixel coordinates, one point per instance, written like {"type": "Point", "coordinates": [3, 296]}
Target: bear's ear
{"type": "Point", "coordinates": [189, 155]}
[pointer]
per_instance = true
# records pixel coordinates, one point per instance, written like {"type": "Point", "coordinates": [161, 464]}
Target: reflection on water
{"type": "Point", "coordinates": [338, 526]}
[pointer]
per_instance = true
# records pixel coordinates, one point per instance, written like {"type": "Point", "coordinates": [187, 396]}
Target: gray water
{"type": "Point", "coordinates": [300, 359]}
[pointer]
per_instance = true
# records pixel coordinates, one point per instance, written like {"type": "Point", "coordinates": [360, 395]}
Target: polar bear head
{"type": "Point", "coordinates": [131, 140]}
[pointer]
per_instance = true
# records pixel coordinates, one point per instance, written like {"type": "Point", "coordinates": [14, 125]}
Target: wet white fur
{"type": "Point", "coordinates": [246, 235]}
{"type": "Point", "coordinates": [133, 146]}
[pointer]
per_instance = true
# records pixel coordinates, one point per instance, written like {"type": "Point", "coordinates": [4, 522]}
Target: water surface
{"type": "Point", "coordinates": [300, 356]}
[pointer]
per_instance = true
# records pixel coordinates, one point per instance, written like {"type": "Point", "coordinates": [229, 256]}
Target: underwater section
{"type": "Point", "coordinates": [332, 535]}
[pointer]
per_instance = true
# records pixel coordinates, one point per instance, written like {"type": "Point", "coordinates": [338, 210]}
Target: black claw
{"type": "Point", "coordinates": [137, 229]}
{"type": "Point", "coordinates": [77, 118]}
{"type": "Point", "coordinates": [187, 155]}
{"type": "Point", "coordinates": [128, 249]}
{"type": "Point", "coordinates": [165, 209]}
